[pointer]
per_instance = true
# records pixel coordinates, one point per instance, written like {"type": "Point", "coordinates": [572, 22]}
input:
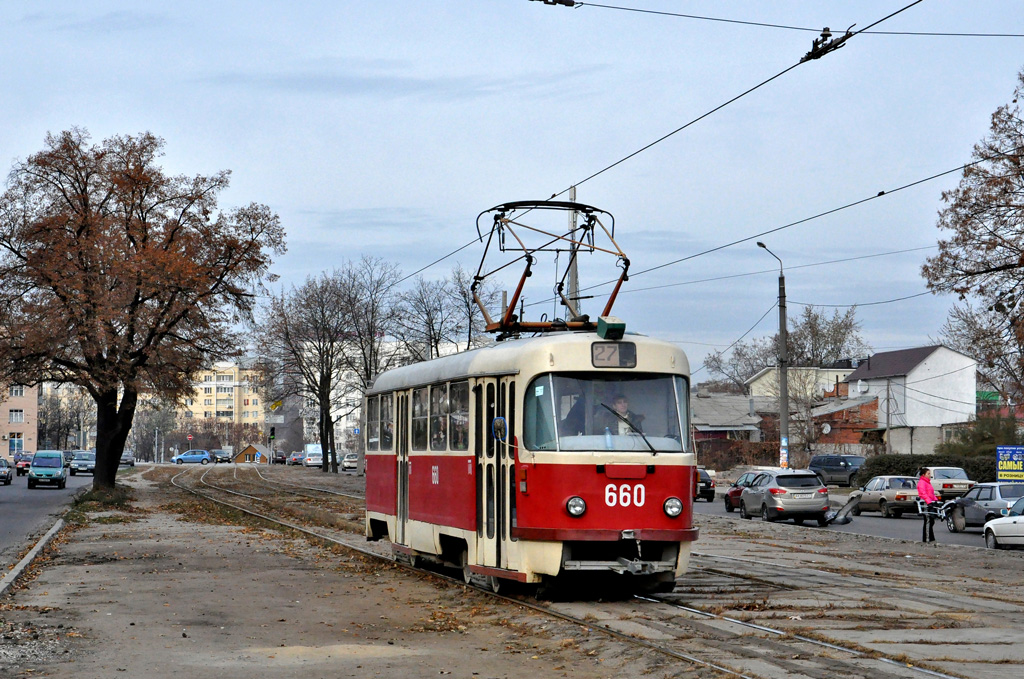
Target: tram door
{"type": "Point", "coordinates": [495, 470]}
{"type": "Point", "coordinates": [402, 471]}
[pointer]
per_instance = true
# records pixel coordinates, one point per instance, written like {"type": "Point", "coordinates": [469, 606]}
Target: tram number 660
{"type": "Point", "coordinates": [625, 495]}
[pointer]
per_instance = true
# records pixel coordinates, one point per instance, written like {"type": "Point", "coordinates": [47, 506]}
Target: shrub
{"type": "Point", "coordinates": [978, 467]}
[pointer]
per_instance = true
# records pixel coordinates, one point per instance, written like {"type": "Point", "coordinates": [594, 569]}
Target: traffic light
{"type": "Point", "coordinates": [271, 433]}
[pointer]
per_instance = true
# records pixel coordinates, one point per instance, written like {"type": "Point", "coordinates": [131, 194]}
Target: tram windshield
{"type": "Point", "coordinates": [610, 411]}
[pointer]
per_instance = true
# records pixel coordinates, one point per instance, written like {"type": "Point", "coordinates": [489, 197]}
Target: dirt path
{"type": "Point", "coordinates": [168, 591]}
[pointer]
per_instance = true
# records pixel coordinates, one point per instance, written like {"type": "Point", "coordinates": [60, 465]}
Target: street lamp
{"type": "Point", "coordinates": [783, 364]}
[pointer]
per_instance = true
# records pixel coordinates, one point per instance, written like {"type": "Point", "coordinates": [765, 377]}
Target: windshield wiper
{"type": "Point", "coordinates": [629, 424]}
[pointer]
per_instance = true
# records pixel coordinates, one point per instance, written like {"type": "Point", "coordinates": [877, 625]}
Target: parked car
{"type": "Point", "coordinates": [981, 504]}
{"type": "Point", "coordinates": [280, 457]}
{"type": "Point", "coordinates": [127, 459]}
{"type": "Point", "coordinates": [48, 467]}
{"type": "Point", "coordinates": [1006, 531]}
{"type": "Point", "coordinates": [296, 457]}
{"type": "Point", "coordinates": [83, 462]}
{"type": "Point", "coordinates": [891, 495]}
{"type": "Point", "coordinates": [193, 457]}
{"type": "Point", "coordinates": [837, 469]}
{"type": "Point", "coordinates": [313, 460]}
{"type": "Point", "coordinates": [22, 462]}
{"type": "Point", "coordinates": [797, 494]}
{"type": "Point", "coordinates": [732, 496]}
{"type": "Point", "coordinates": [221, 455]}
{"type": "Point", "coordinates": [705, 487]}
{"type": "Point", "coordinates": [6, 471]}
{"type": "Point", "coordinates": [950, 482]}
{"type": "Point", "coordinates": [68, 456]}
{"type": "Point", "coordinates": [350, 462]}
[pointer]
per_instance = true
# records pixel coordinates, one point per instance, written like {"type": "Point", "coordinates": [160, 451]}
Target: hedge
{"type": "Point", "coordinates": [979, 468]}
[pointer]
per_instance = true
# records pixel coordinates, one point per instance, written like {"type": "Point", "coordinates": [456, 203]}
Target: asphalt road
{"type": "Point", "coordinates": [871, 523]}
{"type": "Point", "coordinates": [26, 514]}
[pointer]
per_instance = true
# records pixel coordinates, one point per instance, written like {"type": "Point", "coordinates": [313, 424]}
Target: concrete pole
{"type": "Point", "coordinates": [783, 365]}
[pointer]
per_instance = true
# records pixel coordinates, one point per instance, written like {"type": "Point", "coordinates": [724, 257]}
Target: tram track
{"type": "Point", "coordinates": [684, 626]}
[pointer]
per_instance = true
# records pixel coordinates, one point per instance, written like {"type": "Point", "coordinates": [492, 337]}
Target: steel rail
{"type": "Point", "coordinates": [445, 578]}
{"type": "Point", "coordinates": [295, 485]}
{"type": "Point", "coordinates": [576, 620]}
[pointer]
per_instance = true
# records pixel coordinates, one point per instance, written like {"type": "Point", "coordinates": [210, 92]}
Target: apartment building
{"type": "Point", "coordinates": [226, 392]}
{"type": "Point", "coordinates": [19, 419]}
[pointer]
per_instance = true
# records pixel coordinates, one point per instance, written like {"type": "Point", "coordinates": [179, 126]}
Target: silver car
{"type": "Point", "coordinates": [796, 494]}
{"type": "Point", "coordinates": [981, 504]}
{"type": "Point", "coordinates": [891, 495]}
{"type": "Point", "coordinates": [950, 482]}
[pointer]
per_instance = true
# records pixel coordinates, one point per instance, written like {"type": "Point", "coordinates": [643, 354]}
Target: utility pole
{"type": "Point", "coordinates": [574, 275]}
{"type": "Point", "coordinates": [888, 416]}
{"type": "Point", "coordinates": [783, 365]}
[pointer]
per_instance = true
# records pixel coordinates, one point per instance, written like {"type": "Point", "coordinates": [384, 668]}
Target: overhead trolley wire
{"type": "Point", "coordinates": [823, 49]}
{"type": "Point", "coordinates": [761, 24]}
{"type": "Point", "coordinates": [819, 50]}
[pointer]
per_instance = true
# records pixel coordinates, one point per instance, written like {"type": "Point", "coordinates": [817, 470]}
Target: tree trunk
{"type": "Point", "coordinates": [112, 426]}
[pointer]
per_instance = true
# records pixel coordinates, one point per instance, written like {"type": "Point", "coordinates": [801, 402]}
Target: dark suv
{"type": "Point", "coordinates": [837, 469]}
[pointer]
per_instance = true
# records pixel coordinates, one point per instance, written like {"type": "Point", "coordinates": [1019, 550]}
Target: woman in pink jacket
{"type": "Point", "coordinates": [926, 493]}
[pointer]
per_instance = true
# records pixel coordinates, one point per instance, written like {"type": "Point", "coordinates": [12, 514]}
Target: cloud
{"type": "Point", "coordinates": [394, 80]}
{"type": "Point", "coordinates": [122, 21]}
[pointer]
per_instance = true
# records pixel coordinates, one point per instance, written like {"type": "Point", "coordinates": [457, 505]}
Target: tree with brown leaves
{"type": "Point", "coordinates": [120, 278]}
{"type": "Point", "coordinates": [982, 260]}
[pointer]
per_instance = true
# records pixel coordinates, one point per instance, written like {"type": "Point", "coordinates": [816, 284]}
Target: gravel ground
{"type": "Point", "coordinates": [169, 590]}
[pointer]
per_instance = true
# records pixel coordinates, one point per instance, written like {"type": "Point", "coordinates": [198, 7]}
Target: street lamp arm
{"type": "Point", "coordinates": [762, 245]}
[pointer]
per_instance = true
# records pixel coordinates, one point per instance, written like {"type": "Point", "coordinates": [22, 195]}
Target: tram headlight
{"type": "Point", "coordinates": [673, 507]}
{"type": "Point", "coordinates": [576, 506]}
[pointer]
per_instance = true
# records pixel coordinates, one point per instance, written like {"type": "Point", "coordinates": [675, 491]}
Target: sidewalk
{"type": "Point", "coordinates": [161, 594]}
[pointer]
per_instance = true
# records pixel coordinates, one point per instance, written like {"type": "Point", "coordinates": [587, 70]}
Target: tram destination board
{"type": "Point", "coordinates": [613, 354]}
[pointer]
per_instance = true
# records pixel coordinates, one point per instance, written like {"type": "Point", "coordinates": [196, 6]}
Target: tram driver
{"type": "Point", "coordinates": [606, 419]}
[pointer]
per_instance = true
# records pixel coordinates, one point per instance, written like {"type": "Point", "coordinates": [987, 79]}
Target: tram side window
{"type": "Point", "coordinates": [458, 395]}
{"type": "Point", "coordinates": [538, 432]}
{"type": "Point", "coordinates": [439, 417]}
{"type": "Point", "coordinates": [387, 421]}
{"type": "Point", "coordinates": [373, 423]}
{"type": "Point", "coordinates": [420, 413]}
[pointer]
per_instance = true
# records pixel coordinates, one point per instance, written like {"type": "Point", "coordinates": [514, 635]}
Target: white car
{"type": "Point", "coordinates": [350, 461]}
{"type": "Point", "coordinates": [1006, 531]}
{"type": "Point", "coordinates": [313, 460]}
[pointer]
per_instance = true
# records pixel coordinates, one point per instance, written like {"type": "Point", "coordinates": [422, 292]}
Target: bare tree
{"type": "Point", "coordinates": [744, 361]}
{"type": "Point", "coordinates": [818, 340]}
{"type": "Point", "coordinates": [815, 340]}
{"type": "Point", "coordinates": [471, 319]}
{"type": "Point", "coordinates": [427, 320]}
{"type": "Point", "coordinates": [372, 300]}
{"type": "Point", "coordinates": [983, 257]}
{"type": "Point", "coordinates": [985, 335]}
{"type": "Point", "coordinates": [306, 335]}
{"type": "Point", "coordinates": [120, 278]}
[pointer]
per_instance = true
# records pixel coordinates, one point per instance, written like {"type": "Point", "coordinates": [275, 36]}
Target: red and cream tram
{"type": "Point", "coordinates": [537, 458]}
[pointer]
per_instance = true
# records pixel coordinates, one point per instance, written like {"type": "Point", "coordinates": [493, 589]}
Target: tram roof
{"type": "Point", "coordinates": [500, 358]}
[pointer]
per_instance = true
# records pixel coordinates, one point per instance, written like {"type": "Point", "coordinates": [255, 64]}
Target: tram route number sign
{"type": "Point", "coordinates": [1010, 463]}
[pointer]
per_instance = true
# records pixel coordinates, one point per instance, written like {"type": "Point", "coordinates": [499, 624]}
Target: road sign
{"type": "Point", "coordinates": [190, 437]}
{"type": "Point", "coordinates": [258, 453]}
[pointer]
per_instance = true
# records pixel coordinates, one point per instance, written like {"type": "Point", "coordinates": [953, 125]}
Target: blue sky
{"type": "Point", "coordinates": [385, 128]}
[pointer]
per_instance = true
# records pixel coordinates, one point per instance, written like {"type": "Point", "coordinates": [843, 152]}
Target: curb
{"type": "Point", "coordinates": [20, 567]}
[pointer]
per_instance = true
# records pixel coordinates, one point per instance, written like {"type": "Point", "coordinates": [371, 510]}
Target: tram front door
{"type": "Point", "coordinates": [495, 470]}
{"type": "Point", "coordinates": [402, 472]}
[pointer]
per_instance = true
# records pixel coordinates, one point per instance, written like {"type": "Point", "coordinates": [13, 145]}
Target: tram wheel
{"type": "Point", "coordinates": [498, 586]}
{"type": "Point", "coordinates": [467, 575]}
